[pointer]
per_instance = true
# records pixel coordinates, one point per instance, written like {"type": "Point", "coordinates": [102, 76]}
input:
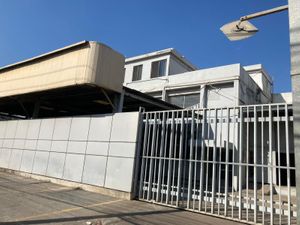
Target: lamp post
{"type": "Point", "coordinates": [294, 21]}
{"type": "Point", "coordinates": [241, 29]}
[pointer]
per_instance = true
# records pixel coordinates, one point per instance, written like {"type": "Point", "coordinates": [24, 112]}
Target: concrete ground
{"type": "Point", "coordinates": [28, 201]}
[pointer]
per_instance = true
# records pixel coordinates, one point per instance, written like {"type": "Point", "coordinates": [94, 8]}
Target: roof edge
{"type": "Point", "coordinates": [11, 66]}
{"type": "Point", "coordinates": [162, 52]}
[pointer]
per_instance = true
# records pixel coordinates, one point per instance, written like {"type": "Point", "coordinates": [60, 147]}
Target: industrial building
{"type": "Point", "coordinates": [152, 127]}
{"type": "Point", "coordinates": [171, 77]}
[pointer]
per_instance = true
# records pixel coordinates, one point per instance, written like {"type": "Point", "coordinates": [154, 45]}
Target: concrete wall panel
{"type": "Point", "coordinates": [122, 149]}
{"type": "Point", "coordinates": [11, 129]}
{"type": "Point", "coordinates": [59, 146]}
{"type": "Point", "coordinates": [19, 143]}
{"type": "Point", "coordinates": [44, 145]}
{"type": "Point", "coordinates": [73, 167]}
{"type": "Point", "coordinates": [46, 129]}
{"type": "Point", "coordinates": [100, 128]}
{"type": "Point", "coordinates": [62, 129]}
{"type": "Point", "coordinates": [94, 170]}
{"type": "Point", "coordinates": [124, 127]}
{"type": "Point", "coordinates": [79, 129]}
{"type": "Point", "coordinates": [15, 159]}
{"type": "Point", "coordinates": [33, 129]}
{"type": "Point", "coordinates": [2, 128]}
{"type": "Point", "coordinates": [40, 163]}
{"type": "Point", "coordinates": [119, 173]}
{"type": "Point", "coordinates": [22, 128]}
{"type": "Point", "coordinates": [30, 144]}
{"type": "Point", "coordinates": [77, 147]}
{"type": "Point", "coordinates": [8, 143]}
{"type": "Point", "coordinates": [27, 161]}
{"type": "Point", "coordinates": [5, 156]}
{"type": "Point", "coordinates": [97, 148]}
{"type": "Point", "coordinates": [1, 158]}
{"type": "Point", "coordinates": [56, 164]}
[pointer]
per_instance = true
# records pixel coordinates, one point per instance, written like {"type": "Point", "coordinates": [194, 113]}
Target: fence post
{"type": "Point", "coordinates": [138, 158]}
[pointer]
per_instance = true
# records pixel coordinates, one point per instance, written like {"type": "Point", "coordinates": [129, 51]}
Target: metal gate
{"type": "Point", "coordinates": [233, 162]}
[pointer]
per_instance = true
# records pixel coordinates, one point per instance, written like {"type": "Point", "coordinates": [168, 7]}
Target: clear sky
{"type": "Point", "coordinates": [132, 27]}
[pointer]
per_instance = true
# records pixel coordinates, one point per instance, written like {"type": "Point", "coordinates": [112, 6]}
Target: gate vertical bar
{"type": "Point", "coordinates": [262, 162]}
{"type": "Point", "coordinates": [207, 160]}
{"type": "Point", "coordinates": [214, 161]}
{"type": "Point", "coordinates": [170, 159]}
{"type": "Point", "coordinates": [165, 156]}
{"type": "Point", "coordinates": [180, 160]}
{"type": "Point", "coordinates": [220, 160]}
{"type": "Point", "coordinates": [240, 160]}
{"type": "Point", "coordinates": [226, 162]}
{"type": "Point", "coordinates": [196, 159]}
{"type": "Point", "coordinates": [162, 136]}
{"type": "Point", "coordinates": [203, 130]}
{"type": "Point", "coordinates": [149, 194]}
{"type": "Point", "coordinates": [278, 161]}
{"type": "Point", "coordinates": [155, 181]}
{"type": "Point", "coordinates": [271, 162]}
{"type": "Point", "coordinates": [175, 160]}
{"type": "Point", "coordinates": [247, 166]}
{"type": "Point", "coordinates": [233, 162]}
{"type": "Point", "coordinates": [142, 174]}
{"type": "Point", "coordinates": [190, 160]}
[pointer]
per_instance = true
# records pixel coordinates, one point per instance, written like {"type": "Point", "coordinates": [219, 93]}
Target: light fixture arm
{"type": "Point", "coordinates": [264, 13]}
{"type": "Point", "coordinates": [242, 28]}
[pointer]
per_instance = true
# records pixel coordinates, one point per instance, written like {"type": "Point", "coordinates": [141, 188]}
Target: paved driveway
{"type": "Point", "coordinates": [28, 201]}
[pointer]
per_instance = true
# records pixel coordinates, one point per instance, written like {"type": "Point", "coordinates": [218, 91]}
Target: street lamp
{"type": "Point", "coordinates": [242, 29]}
{"type": "Point", "coordinates": [239, 30]}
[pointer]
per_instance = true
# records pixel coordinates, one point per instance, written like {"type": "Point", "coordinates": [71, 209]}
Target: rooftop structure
{"type": "Point", "coordinates": [80, 79]}
{"type": "Point", "coordinates": [156, 64]}
{"type": "Point", "coordinates": [157, 75]}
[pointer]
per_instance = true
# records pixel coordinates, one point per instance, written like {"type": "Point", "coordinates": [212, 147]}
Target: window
{"type": "Point", "coordinates": [185, 101]}
{"type": "Point", "coordinates": [156, 94]}
{"type": "Point", "coordinates": [137, 73]}
{"type": "Point", "coordinates": [184, 97]}
{"type": "Point", "coordinates": [158, 68]}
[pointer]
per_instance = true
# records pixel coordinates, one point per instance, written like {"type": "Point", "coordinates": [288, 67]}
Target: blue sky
{"type": "Point", "coordinates": [132, 27]}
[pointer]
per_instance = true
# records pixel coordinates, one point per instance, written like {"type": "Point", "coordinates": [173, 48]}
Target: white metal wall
{"type": "Point", "coordinates": [235, 162]}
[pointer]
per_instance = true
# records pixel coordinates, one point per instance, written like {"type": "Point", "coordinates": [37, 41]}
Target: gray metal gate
{"type": "Point", "coordinates": [235, 162]}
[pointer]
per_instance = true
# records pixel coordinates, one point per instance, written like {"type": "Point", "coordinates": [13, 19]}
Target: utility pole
{"type": "Point", "coordinates": [294, 21]}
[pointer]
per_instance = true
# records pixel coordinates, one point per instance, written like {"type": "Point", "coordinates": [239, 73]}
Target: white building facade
{"type": "Point", "coordinates": [169, 76]}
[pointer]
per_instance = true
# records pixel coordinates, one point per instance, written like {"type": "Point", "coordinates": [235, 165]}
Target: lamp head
{"type": "Point", "coordinates": [239, 30]}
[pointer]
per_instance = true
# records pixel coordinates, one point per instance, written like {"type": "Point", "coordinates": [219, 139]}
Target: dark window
{"type": "Point", "coordinates": [185, 101]}
{"type": "Point", "coordinates": [158, 68]}
{"type": "Point", "coordinates": [137, 72]}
